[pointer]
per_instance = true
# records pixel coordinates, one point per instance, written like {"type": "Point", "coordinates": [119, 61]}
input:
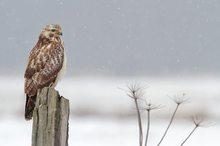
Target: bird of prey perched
{"type": "Point", "coordinates": [46, 64]}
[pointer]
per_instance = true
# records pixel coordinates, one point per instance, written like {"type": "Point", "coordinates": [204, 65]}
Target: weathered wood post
{"type": "Point", "coordinates": [50, 119]}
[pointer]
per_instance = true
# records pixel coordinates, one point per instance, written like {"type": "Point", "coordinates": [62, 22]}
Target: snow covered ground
{"type": "Point", "coordinates": [99, 110]}
{"type": "Point", "coordinates": [92, 131]}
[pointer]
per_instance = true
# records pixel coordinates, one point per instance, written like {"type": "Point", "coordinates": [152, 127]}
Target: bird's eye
{"type": "Point", "coordinates": [53, 30]}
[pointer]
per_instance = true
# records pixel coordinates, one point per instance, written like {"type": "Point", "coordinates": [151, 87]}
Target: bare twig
{"type": "Point", "coordinates": [139, 122]}
{"type": "Point", "coordinates": [148, 108]}
{"type": "Point", "coordinates": [199, 121]}
{"type": "Point", "coordinates": [148, 127]}
{"type": "Point", "coordinates": [178, 99]}
{"type": "Point", "coordinates": [196, 126]}
{"type": "Point", "coordinates": [135, 92]}
{"type": "Point", "coordinates": [171, 121]}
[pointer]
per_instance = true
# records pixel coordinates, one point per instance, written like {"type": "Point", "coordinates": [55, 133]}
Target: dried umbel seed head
{"type": "Point", "coordinates": [149, 106]}
{"type": "Point", "coordinates": [180, 98]}
{"type": "Point", "coordinates": [201, 120]}
{"type": "Point", "coordinates": [135, 91]}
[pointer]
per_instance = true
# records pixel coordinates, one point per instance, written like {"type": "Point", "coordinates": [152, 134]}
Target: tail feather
{"type": "Point", "coordinates": [29, 106]}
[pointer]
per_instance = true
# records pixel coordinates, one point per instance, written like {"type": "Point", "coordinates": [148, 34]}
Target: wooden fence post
{"type": "Point", "coordinates": [50, 119]}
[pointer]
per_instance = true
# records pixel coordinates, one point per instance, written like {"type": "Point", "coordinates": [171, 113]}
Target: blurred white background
{"type": "Point", "coordinates": [168, 46]}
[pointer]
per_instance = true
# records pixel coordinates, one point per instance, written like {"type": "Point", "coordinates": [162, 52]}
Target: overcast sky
{"type": "Point", "coordinates": [117, 37]}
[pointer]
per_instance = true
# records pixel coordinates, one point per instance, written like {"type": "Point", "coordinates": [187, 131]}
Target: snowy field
{"type": "Point", "coordinates": [103, 96]}
{"type": "Point", "coordinates": [100, 111]}
{"type": "Point", "coordinates": [92, 131]}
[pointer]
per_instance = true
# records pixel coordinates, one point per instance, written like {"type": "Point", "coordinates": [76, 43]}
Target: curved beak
{"type": "Point", "coordinates": [60, 33]}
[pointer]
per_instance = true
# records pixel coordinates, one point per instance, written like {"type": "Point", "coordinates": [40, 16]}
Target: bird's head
{"type": "Point", "coordinates": [51, 30]}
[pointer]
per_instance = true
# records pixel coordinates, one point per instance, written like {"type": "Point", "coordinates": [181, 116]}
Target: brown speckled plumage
{"type": "Point", "coordinates": [45, 62]}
